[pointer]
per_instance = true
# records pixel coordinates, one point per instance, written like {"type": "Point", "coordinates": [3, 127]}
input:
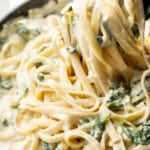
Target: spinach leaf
{"type": "Point", "coordinates": [116, 95]}
{"type": "Point", "coordinates": [99, 126]}
{"type": "Point", "coordinates": [71, 49]}
{"type": "Point", "coordinates": [115, 85]}
{"type": "Point", "coordinates": [115, 105]}
{"type": "Point", "coordinates": [136, 87]}
{"type": "Point", "coordinates": [6, 85]}
{"type": "Point", "coordinates": [26, 33]}
{"type": "Point", "coordinates": [2, 41]}
{"type": "Point", "coordinates": [41, 75]}
{"type": "Point", "coordinates": [45, 145]}
{"type": "Point", "coordinates": [48, 146]}
{"type": "Point", "coordinates": [23, 91]}
{"type": "Point", "coordinates": [5, 122]}
{"type": "Point", "coordinates": [84, 121]}
{"type": "Point", "coordinates": [99, 39]}
{"type": "Point", "coordinates": [138, 134]}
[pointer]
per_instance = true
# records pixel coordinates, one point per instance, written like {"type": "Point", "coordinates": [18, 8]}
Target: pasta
{"type": "Point", "coordinates": [76, 79]}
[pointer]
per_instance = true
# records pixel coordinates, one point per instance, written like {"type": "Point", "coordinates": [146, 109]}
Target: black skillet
{"type": "Point", "coordinates": [23, 9]}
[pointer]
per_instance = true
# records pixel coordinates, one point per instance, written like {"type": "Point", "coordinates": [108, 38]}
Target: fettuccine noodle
{"type": "Point", "coordinates": [62, 73]}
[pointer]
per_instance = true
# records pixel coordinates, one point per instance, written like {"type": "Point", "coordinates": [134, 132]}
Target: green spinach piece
{"type": "Point", "coordinates": [99, 39]}
{"type": "Point", "coordinates": [138, 134]}
{"type": "Point", "coordinates": [99, 126]}
{"type": "Point", "coordinates": [48, 146]}
{"type": "Point", "coordinates": [71, 49]}
{"type": "Point", "coordinates": [84, 121]}
{"type": "Point", "coordinates": [6, 85]}
{"type": "Point", "coordinates": [26, 33]}
{"type": "Point", "coordinates": [2, 41]}
{"type": "Point", "coordinates": [5, 122]}
{"type": "Point", "coordinates": [45, 145]}
{"type": "Point", "coordinates": [116, 95]}
{"type": "Point", "coordinates": [23, 91]}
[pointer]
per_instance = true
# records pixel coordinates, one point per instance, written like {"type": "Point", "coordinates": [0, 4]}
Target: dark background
{"type": "Point", "coordinates": [147, 8]}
